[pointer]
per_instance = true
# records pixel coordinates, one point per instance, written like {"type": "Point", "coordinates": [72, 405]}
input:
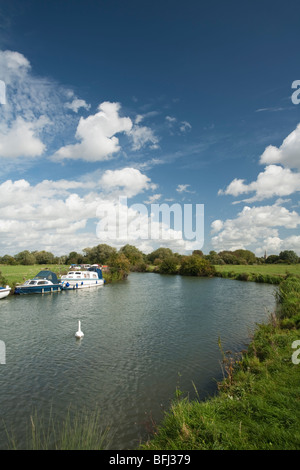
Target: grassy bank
{"type": "Point", "coordinates": [269, 273]}
{"type": "Point", "coordinates": [257, 406]}
{"type": "Point", "coordinates": [19, 273]}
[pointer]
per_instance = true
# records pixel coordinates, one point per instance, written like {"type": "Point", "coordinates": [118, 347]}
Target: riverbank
{"type": "Point", "coordinates": [269, 273]}
{"type": "Point", "coordinates": [257, 405]}
{"type": "Point", "coordinates": [17, 274]}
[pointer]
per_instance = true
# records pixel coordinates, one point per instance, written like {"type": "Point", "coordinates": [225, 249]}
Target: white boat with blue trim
{"type": "Point", "coordinates": [81, 279]}
{"type": "Point", "coordinates": [4, 292]}
{"type": "Point", "coordinates": [44, 282]}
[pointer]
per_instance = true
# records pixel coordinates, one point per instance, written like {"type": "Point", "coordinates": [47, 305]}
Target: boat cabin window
{"type": "Point", "coordinates": [32, 283]}
{"type": "Point", "coordinates": [42, 282]}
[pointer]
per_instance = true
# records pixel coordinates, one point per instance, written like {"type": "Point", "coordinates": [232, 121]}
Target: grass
{"type": "Point", "coordinates": [257, 406]}
{"type": "Point", "coordinates": [19, 273]}
{"type": "Point", "coordinates": [263, 269]}
{"type": "Point", "coordinates": [79, 431]}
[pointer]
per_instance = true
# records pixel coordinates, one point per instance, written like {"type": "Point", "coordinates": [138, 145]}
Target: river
{"type": "Point", "coordinates": [143, 338]}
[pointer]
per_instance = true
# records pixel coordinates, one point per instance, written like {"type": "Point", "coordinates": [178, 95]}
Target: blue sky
{"type": "Point", "coordinates": [165, 102]}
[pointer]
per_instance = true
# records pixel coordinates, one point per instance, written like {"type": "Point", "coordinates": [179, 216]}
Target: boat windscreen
{"type": "Point", "coordinates": [49, 275]}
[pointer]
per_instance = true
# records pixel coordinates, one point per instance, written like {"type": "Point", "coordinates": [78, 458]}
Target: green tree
{"type": "Point", "coordinates": [272, 259]}
{"type": "Point", "coordinates": [160, 253]}
{"type": "Point", "coordinates": [133, 254]}
{"type": "Point", "coordinates": [25, 258]}
{"type": "Point", "coordinates": [169, 265]}
{"type": "Point", "coordinates": [246, 255]}
{"type": "Point", "coordinates": [100, 253]}
{"type": "Point", "coordinates": [7, 259]}
{"type": "Point", "coordinates": [196, 266]}
{"type": "Point", "coordinates": [289, 256]}
{"type": "Point", "coordinates": [197, 253]}
{"type": "Point", "coordinates": [44, 257]}
{"type": "Point", "coordinates": [74, 258]}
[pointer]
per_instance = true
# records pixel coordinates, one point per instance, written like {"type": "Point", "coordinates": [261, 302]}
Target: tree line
{"type": "Point", "coordinates": [162, 260]}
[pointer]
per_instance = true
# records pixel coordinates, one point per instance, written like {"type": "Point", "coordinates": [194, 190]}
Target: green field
{"type": "Point", "coordinates": [19, 273]}
{"type": "Point", "coordinates": [263, 269]}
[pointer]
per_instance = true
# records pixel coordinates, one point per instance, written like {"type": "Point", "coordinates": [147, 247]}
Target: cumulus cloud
{"type": "Point", "coordinates": [96, 134]}
{"type": "Point", "coordinates": [253, 226]}
{"type": "Point", "coordinates": [20, 139]}
{"type": "Point", "coordinates": [54, 215]}
{"type": "Point", "coordinates": [288, 154]}
{"type": "Point", "coordinates": [273, 181]}
{"type": "Point", "coordinates": [128, 182]}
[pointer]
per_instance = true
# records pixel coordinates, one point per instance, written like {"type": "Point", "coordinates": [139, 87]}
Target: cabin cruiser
{"type": "Point", "coordinates": [79, 279]}
{"type": "Point", "coordinates": [4, 291]}
{"type": "Point", "coordinates": [43, 282]}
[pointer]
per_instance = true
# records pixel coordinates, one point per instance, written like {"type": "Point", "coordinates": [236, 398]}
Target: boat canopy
{"type": "Point", "coordinates": [49, 275]}
{"type": "Point", "coordinates": [96, 270]}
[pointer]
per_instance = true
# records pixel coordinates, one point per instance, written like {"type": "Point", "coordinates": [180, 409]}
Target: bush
{"type": "Point", "coordinates": [169, 266]}
{"type": "Point", "coordinates": [196, 266]}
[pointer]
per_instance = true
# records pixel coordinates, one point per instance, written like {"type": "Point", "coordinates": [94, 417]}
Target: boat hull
{"type": "Point", "coordinates": [72, 284]}
{"type": "Point", "coordinates": [38, 290]}
{"type": "Point", "coordinates": [4, 292]}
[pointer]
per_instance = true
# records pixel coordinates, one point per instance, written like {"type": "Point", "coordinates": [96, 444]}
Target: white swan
{"type": "Point", "coordinates": [79, 333]}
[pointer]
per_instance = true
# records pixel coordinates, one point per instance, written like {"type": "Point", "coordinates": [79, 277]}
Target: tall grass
{"type": "Point", "coordinates": [78, 431]}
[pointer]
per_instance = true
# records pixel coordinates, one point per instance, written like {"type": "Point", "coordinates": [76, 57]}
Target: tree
{"type": "Point", "coordinates": [100, 253]}
{"type": "Point", "coordinates": [196, 266]}
{"type": "Point", "coordinates": [25, 258]}
{"type": "Point", "coordinates": [272, 259]}
{"type": "Point", "coordinates": [289, 256]}
{"type": "Point", "coordinates": [246, 255]}
{"type": "Point", "coordinates": [160, 253]}
{"type": "Point", "coordinates": [169, 265]}
{"type": "Point", "coordinates": [7, 259]}
{"type": "Point", "coordinates": [197, 253]}
{"type": "Point", "coordinates": [74, 258]}
{"type": "Point", "coordinates": [118, 263]}
{"type": "Point", "coordinates": [133, 254]}
{"type": "Point", "coordinates": [44, 257]}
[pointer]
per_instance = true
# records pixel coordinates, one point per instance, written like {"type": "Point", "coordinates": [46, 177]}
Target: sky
{"type": "Point", "coordinates": [111, 110]}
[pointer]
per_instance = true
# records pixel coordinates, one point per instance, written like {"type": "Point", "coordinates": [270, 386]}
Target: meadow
{"type": "Point", "coordinates": [20, 273]}
{"type": "Point", "coordinates": [268, 273]}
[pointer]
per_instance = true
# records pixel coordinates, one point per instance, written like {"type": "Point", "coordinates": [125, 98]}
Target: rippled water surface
{"type": "Point", "coordinates": [143, 338]}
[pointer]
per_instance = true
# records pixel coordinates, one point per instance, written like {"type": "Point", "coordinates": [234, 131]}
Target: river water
{"type": "Point", "coordinates": [143, 338]}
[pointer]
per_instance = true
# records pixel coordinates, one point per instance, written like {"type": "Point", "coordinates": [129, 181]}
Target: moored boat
{"type": "Point", "coordinates": [4, 292]}
{"type": "Point", "coordinates": [44, 282]}
{"type": "Point", "coordinates": [80, 279]}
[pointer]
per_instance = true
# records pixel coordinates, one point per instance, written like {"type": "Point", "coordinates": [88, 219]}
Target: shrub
{"type": "Point", "coordinates": [196, 266]}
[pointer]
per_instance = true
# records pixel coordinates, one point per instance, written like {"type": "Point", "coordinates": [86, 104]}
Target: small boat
{"type": "Point", "coordinates": [42, 283]}
{"type": "Point", "coordinates": [80, 279]}
{"type": "Point", "coordinates": [4, 291]}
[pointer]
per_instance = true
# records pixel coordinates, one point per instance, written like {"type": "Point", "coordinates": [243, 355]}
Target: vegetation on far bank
{"type": "Point", "coordinates": [238, 264]}
{"type": "Point", "coordinates": [257, 404]}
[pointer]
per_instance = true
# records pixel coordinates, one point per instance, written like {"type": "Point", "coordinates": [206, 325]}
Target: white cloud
{"type": "Point", "coordinates": [185, 126]}
{"type": "Point", "coordinates": [183, 188]}
{"type": "Point", "coordinates": [273, 181]}
{"type": "Point", "coordinates": [20, 139]}
{"type": "Point", "coordinates": [76, 104]}
{"type": "Point", "coordinates": [142, 135]}
{"type": "Point", "coordinates": [288, 154]}
{"type": "Point", "coordinates": [216, 226]}
{"type": "Point", "coordinates": [128, 181]}
{"type": "Point", "coordinates": [253, 227]}
{"type": "Point", "coordinates": [96, 134]}
{"type": "Point", "coordinates": [153, 198]}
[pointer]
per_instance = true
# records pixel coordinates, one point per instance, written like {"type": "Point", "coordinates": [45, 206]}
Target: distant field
{"type": "Point", "coordinates": [20, 273]}
{"type": "Point", "coordinates": [270, 269]}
